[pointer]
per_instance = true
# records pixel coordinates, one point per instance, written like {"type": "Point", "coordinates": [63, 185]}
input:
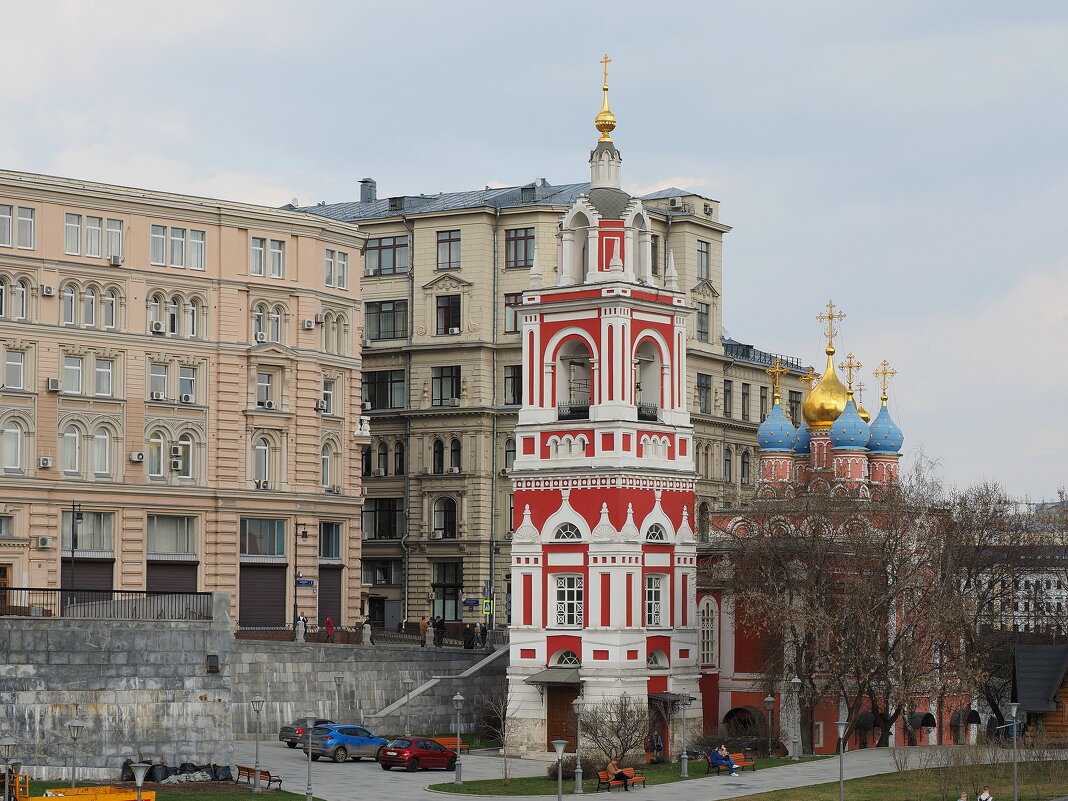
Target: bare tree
{"type": "Point", "coordinates": [616, 726]}
{"type": "Point", "coordinates": [497, 719]}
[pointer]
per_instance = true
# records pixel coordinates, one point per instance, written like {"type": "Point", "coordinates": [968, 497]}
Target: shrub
{"type": "Point", "coordinates": [589, 768]}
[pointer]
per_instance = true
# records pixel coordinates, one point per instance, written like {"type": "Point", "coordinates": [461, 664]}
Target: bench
{"type": "Point", "coordinates": [607, 783]}
{"type": "Point", "coordinates": [740, 762]}
{"type": "Point", "coordinates": [455, 743]}
{"type": "Point", "coordinates": [266, 777]}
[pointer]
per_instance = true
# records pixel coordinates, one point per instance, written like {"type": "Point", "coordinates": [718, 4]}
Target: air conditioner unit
{"type": "Point", "coordinates": [158, 395]}
{"type": "Point", "coordinates": [43, 543]}
{"type": "Point", "coordinates": [454, 330]}
{"type": "Point", "coordinates": [368, 343]}
{"type": "Point", "coordinates": [320, 318]}
{"type": "Point", "coordinates": [269, 404]}
{"type": "Point", "coordinates": [44, 462]}
{"type": "Point", "coordinates": [675, 203]}
{"type": "Point", "coordinates": [264, 484]}
{"type": "Point", "coordinates": [176, 465]}
{"type": "Point", "coordinates": [156, 327]}
{"type": "Point", "coordinates": [185, 398]}
{"type": "Point", "coordinates": [708, 208]}
{"type": "Point", "coordinates": [320, 406]}
{"type": "Point", "coordinates": [54, 385]}
{"type": "Point", "coordinates": [329, 489]}
{"type": "Point", "coordinates": [437, 534]}
{"type": "Point", "coordinates": [137, 456]}
{"type": "Point", "coordinates": [307, 325]}
{"type": "Point", "coordinates": [48, 290]}
{"type": "Point", "coordinates": [336, 489]}
{"type": "Point", "coordinates": [176, 451]}
{"type": "Point", "coordinates": [367, 406]}
{"type": "Point", "coordinates": [261, 337]}
{"type": "Point", "coordinates": [454, 402]}
{"type": "Point", "coordinates": [454, 470]}
{"type": "Point", "coordinates": [426, 471]}
{"type": "Point", "coordinates": [379, 473]}
{"type": "Point", "coordinates": [115, 260]}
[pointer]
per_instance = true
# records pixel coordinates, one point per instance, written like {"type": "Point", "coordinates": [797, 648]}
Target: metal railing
{"type": "Point", "coordinates": [104, 604]}
{"type": "Point", "coordinates": [573, 411]}
{"type": "Point", "coordinates": [747, 353]}
{"type": "Point", "coordinates": [647, 411]}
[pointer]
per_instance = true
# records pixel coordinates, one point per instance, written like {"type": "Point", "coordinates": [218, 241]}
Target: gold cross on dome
{"type": "Point", "coordinates": [831, 319]}
{"type": "Point", "coordinates": [860, 392]}
{"type": "Point", "coordinates": [810, 376]}
{"type": "Point", "coordinates": [606, 61]}
{"type": "Point", "coordinates": [776, 373]}
{"type": "Point", "coordinates": [851, 366]}
{"type": "Point", "coordinates": [884, 375]}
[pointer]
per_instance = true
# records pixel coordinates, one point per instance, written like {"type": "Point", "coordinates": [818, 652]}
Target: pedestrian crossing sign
{"type": "Point", "coordinates": [487, 607]}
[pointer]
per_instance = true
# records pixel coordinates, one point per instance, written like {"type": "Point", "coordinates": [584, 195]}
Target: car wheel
{"type": "Point", "coordinates": [386, 767]}
{"type": "Point", "coordinates": [315, 757]}
{"type": "Point", "coordinates": [451, 764]}
{"type": "Point", "coordinates": [292, 745]}
{"type": "Point", "coordinates": [340, 754]}
{"type": "Point", "coordinates": [378, 754]}
{"type": "Point", "coordinates": [413, 765]}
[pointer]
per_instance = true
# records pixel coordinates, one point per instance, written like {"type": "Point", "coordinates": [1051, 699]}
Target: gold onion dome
{"type": "Point", "coordinates": [605, 121]}
{"type": "Point", "coordinates": [828, 398]}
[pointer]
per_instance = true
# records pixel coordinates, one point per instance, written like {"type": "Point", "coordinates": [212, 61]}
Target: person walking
{"type": "Point", "coordinates": [483, 633]}
{"type": "Point", "coordinates": [329, 625]}
{"type": "Point", "coordinates": [302, 627]}
{"type": "Point", "coordinates": [423, 626]}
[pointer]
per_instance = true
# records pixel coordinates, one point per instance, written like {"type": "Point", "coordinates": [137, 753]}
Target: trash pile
{"type": "Point", "coordinates": [186, 772]}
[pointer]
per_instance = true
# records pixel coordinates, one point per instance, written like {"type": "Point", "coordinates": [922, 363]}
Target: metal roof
{"type": "Point", "coordinates": [555, 675]}
{"type": "Point", "coordinates": [1040, 670]}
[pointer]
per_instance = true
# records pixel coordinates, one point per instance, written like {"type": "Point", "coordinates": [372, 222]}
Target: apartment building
{"type": "Point", "coordinates": [180, 407]}
{"type": "Point", "coordinates": [443, 278]}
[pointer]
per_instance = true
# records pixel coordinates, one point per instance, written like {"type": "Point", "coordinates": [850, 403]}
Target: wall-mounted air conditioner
{"type": "Point", "coordinates": [185, 398]}
{"type": "Point", "coordinates": [137, 456]}
{"type": "Point", "coordinates": [320, 406]}
{"type": "Point", "coordinates": [454, 401]}
{"type": "Point", "coordinates": [437, 534]}
{"type": "Point", "coordinates": [379, 473]}
{"type": "Point", "coordinates": [264, 484]}
{"type": "Point", "coordinates": [115, 260]}
{"type": "Point", "coordinates": [48, 290]}
{"type": "Point", "coordinates": [270, 404]}
{"type": "Point", "coordinates": [454, 470]}
{"type": "Point", "coordinates": [44, 462]}
{"type": "Point", "coordinates": [158, 396]}
{"type": "Point", "coordinates": [176, 465]}
{"type": "Point", "coordinates": [454, 330]}
{"type": "Point", "coordinates": [176, 451]}
{"type": "Point", "coordinates": [156, 327]}
{"type": "Point", "coordinates": [261, 337]}
{"type": "Point", "coordinates": [54, 385]}
{"type": "Point", "coordinates": [42, 543]}
{"type": "Point", "coordinates": [307, 325]}
{"type": "Point", "coordinates": [320, 318]}
{"type": "Point", "coordinates": [367, 406]}
{"type": "Point", "coordinates": [675, 203]}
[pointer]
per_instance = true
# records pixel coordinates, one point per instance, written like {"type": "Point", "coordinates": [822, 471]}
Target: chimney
{"type": "Point", "coordinates": [368, 190]}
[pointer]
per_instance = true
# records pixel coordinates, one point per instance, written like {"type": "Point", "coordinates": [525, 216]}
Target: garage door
{"type": "Point", "coordinates": [330, 584]}
{"type": "Point", "coordinates": [171, 577]}
{"type": "Point", "coordinates": [263, 595]}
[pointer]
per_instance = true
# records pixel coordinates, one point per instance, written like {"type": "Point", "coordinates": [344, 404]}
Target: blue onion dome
{"type": "Point", "coordinates": [849, 431]}
{"type": "Point", "coordinates": [776, 433]}
{"type": "Point", "coordinates": [886, 437]}
{"type": "Point", "coordinates": [804, 440]}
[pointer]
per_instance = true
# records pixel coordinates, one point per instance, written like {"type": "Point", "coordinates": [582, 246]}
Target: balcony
{"type": "Point", "coordinates": [648, 411]}
{"type": "Point", "coordinates": [573, 411]}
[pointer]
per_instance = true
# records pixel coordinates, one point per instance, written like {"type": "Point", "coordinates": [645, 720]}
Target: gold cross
{"type": "Point", "coordinates": [860, 392]}
{"type": "Point", "coordinates": [831, 319]}
{"type": "Point", "coordinates": [851, 366]}
{"type": "Point", "coordinates": [776, 373]}
{"type": "Point", "coordinates": [884, 375]}
{"type": "Point", "coordinates": [810, 376]}
{"type": "Point", "coordinates": [606, 61]}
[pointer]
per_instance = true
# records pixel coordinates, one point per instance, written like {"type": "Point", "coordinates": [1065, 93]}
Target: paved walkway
{"type": "Point", "coordinates": [365, 779]}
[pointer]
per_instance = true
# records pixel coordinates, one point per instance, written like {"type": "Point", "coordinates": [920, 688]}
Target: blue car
{"type": "Point", "coordinates": [342, 742]}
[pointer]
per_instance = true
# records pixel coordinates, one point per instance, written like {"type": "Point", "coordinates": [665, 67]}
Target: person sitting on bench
{"type": "Point", "coordinates": [720, 757]}
{"type": "Point", "coordinates": [617, 775]}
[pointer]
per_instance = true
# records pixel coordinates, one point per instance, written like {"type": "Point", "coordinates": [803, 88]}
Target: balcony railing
{"type": "Point", "coordinates": [747, 353]}
{"type": "Point", "coordinates": [573, 411]}
{"type": "Point", "coordinates": [105, 604]}
{"type": "Point", "coordinates": [647, 411]}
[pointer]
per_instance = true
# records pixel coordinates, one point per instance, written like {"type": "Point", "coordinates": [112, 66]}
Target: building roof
{"type": "Point", "coordinates": [1040, 670]}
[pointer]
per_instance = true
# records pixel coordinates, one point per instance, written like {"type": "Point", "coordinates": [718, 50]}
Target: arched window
{"type": "Point", "coordinates": [445, 518]}
{"type": "Point", "coordinates": [568, 531]}
{"type": "Point", "coordinates": [263, 459]}
{"type": "Point", "coordinates": [12, 446]}
{"type": "Point", "coordinates": [172, 315]}
{"type": "Point", "coordinates": [341, 334]}
{"type": "Point", "coordinates": [102, 452]}
{"type": "Point", "coordinates": [89, 307]}
{"type": "Point", "coordinates": [192, 318]}
{"type": "Point", "coordinates": [155, 454]}
{"type": "Point", "coordinates": [454, 454]}
{"type": "Point", "coordinates": [20, 301]}
{"type": "Point", "coordinates": [259, 322]}
{"type": "Point", "coordinates": [568, 659]}
{"type": "Point", "coordinates": [655, 533]}
{"type": "Point", "coordinates": [745, 467]}
{"type": "Point", "coordinates": [71, 450]}
{"type": "Point", "coordinates": [509, 453]}
{"type": "Point", "coordinates": [365, 461]}
{"type": "Point", "coordinates": [66, 305]}
{"type": "Point", "coordinates": [707, 620]}
{"type": "Point", "coordinates": [327, 462]}
{"type": "Point", "coordinates": [704, 519]}
{"type": "Point", "coordinates": [274, 324]}
{"type": "Point", "coordinates": [657, 660]}
{"type": "Point", "coordinates": [383, 459]}
{"type": "Point", "coordinates": [439, 457]}
{"type": "Point", "coordinates": [185, 445]}
{"type": "Point", "coordinates": [400, 466]}
{"type": "Point", "coordinates": [727, 471]}
{"type": "Point", "coordinates": [3, 296]}
{"type": "Point", "coordinates": [110, 302]}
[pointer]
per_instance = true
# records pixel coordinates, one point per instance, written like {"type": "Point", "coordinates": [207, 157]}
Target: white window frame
{"type": "Point", "coordinates": [176, 247]}
{"type": "Point", "coordinates": [71, 450]}
{"type": "Point", "coordinates": [27, 228]}
{"type": "Point", "coordinates": [154, 461]}
{"type": "Point", "coordinates": [341, 270]}
{"type": "Point", "coordinates": [187, 381]}
{"type": "Point", "coordinates": [257, 258]}
{"type": "Point", "coordinates": [158, 378]}
{"type": "Point", "coordinates": [328, 267]}
{"type": "Point", "coordinates": [186, 446]}
{"type": "Point", "coordinates": [72, 234]}
{"type": "Point", "coordinates": [6, 226]}
{"type": "Point", "coordinates": [114, 237]}
{"type": "Point", "coordinates": [104, 384]}
{"type": "Point", "coordinates": [94, 236]}
{"type": "Point", "coordinates": [73, 368]}
{"type": "Point", "coordinates": [329, 386]}
{"type": "Point", "coordinates": [158, 245]}
{"type": "Point", "coordinates": [569, 598]}
{"type": "Point", "coordinates": [197, 250]}
{"type": "Point", "coordinates": [15, 369]}
{"type": "Point", "coordinates": [708, 628]}
{"type": "Point", "coordinates": [102, 452]}
{"type": "Point", "coordinates": [11, 446]}
{"type": "Point", "coordinates": [276, 258]}
{"type": "Point", "coordinates": [653, 609]}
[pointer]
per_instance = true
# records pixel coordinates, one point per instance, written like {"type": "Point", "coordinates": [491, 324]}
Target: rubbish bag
{"type": "Point", "coordinates": [187, 767]}
{"type": "Point", "coordinates": [207, 769]}
{"type": "Point", "coordinates": [223, 773]}
{"type": "Point", "coordinates": [127, 772]}
{"type": "Point", "coordinates": [158, 773]}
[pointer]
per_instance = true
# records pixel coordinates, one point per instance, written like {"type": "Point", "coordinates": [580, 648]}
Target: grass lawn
{"type": "Point", "coordinates": [188, 791]}
{"type": "Point", "coordinates": [663, 773]}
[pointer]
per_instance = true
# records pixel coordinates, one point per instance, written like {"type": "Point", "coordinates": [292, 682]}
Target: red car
{"type": "Point", "coordinates": [413, 753]}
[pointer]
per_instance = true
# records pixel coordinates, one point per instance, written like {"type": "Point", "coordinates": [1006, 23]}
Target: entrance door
{"type": "Point", "coordinates": [5, 576]}
{"type": "Point", "coordinates": [560, 715]}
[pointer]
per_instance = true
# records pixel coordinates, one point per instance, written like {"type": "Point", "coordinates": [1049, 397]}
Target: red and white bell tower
{"type": "Point", "coordinates": [603, 552]}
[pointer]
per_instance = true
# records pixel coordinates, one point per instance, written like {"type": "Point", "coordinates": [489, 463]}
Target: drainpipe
{"type": "Point", "coordinates": [493, 442]}
{"type": "Point", "coordinates": [406, 532]}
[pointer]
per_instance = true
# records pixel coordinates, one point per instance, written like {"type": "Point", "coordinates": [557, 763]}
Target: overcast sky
{"type": "Point", "coordinates": [907, 159]}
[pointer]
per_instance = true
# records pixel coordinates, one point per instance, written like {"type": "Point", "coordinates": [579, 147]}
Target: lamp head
{"type": "Point", "coordinates": [7, 748]}
{"type": "Point", "coordinates": [75, 726]}
{"type": "Point", "coordinates": [1013, 708]}
{"type": "Point", "coordinates": [841, 725]}
{"type": "Point", "coordinates": [458, 701]}
{"type": "Point", "coordinates": [559, 746]}
{"type": "Point", "coordinates": [338, 679]}
{"type": "Point", "coordinates": [769, 702]}
{"type": "Point", "coordinates": [309, 721]}
{"type": "Point", "coordinates": [257, 703]}
{"type": "Point", "coordinates": [577, 704]}
{"type": "Point", "coordinates": [140, 769]}
{"type": "Point", "coordinates": [795, 684]}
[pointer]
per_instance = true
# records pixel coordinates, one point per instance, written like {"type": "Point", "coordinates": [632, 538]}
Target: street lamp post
{"type": "Point", "coordinates": [1014, 709]}
{"type": "Point", "coordinates": [74, 726]}
{"type": "Point", "coordinates": [795, 735]}
{"type": "Point", "coordinates": [7, 750]}
{"type": "Point", "coordinates": [769, 705]}
{"type": "Point", "coordinates": [458, 702]}
{"type": "Point", "coordinates": [577, 705]}
{"type": "Point", "coordinates": [139, 770]}
{"type": "Point", "coordinates": [310, 724]}
{"type": "Point", "coordinates": [559, 746]}
{"type": "Point", "coordinates": [75, 519]}
{"type": "Point", "coordinates": [684, 759]}
{"type": "Point", "coordinates": [842, 725]}
{"type": "Point", "coordinates": [338, 680]}
{"type": "Point", "coordinates": [300, 532]}
{"type": "Point", "coordinates": [257, 707]}
{"type": "Point", "coordinates": [408, 684]}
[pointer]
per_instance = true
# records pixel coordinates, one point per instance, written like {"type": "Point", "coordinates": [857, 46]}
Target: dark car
{"type": "Point", "coordinates": [293, 734]}
{"type": "Point", "coordinates": [413, 753]}
{"type": "Point", "coordinates": [341, 742]}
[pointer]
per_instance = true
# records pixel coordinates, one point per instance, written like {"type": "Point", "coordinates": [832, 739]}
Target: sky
{"type": "Point", "coordinates": [906, 159]}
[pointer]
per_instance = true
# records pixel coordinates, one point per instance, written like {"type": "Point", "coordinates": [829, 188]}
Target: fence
{"type": "Point", "coordinates": [104, 604]}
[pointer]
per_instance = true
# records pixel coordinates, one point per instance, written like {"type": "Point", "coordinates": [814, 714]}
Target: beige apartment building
{"type": "Point", "coordinates": [443, 277]}
{"type": "Point", "coordinates": [180, 407]}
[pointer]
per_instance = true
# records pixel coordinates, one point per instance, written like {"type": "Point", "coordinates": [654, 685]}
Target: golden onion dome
{"type": "Point", "coordinates": [827, 399]}
{"type": "Point", "coordinates": [864, 414]}
{"type": "Point", "coordinates": [605, 121]}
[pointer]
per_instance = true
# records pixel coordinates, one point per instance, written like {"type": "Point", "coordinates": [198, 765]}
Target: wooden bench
{"type": "Point", "coordinates": [607, 783]}
{"type": "Point", "coordinates": [740, 762]}
{"type": "Point", "coordinates": [266, 777]}
{"type": "Point", "coordinates": [455, 743]}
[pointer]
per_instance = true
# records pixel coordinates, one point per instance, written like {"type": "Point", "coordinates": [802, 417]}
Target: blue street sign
{"type": "Point", "coordinates": [305, 582]}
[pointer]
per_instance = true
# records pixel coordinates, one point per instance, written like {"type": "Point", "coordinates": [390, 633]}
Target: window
{"type": "Point", "coordinates": [172, 534]}
{"type": "Point", "coordinates": [704, 393]}
{"type": "Point", "coordinates": [72, 234]}
{"type": "Point", "coordinates": [158, 244]}
{"type": "Point", "coordinates": [109, 302]}
{"type": "Point", "coordinates": [71, 450]}
{"type": "Point", "coordinates": [328, 396]}
{"type": "Point", "coordinates": [89, 308]}
{"type": "Point", "coordinates": [387, 319]}
{"type": "Point", "coordinates": [192, 318]}
{"type": "Point", "coordinates": [383, 518]}
{"type": "Point", "coordinates": [262, 537]}
{"type": "Point", "coordinates": [72, 375]}
{"type": "Point", "coordinates": [20, 300]}
{"type": "Point", "coordinates": [67, 303]}
{"type": "Point", "coordinates": [172, 316]}
{"type": "Point", "coordinates": [703, 253]}
{"type": "Point", "coordinates": [655, 533]}
{"type": "Point", "coordinates": [11, 446]}
{"type": "Point", "coordinates": [400, 465]}
{"type": "Point", "coordinates": [447, 586]}
{"type": "Point", "coordinates": [448, 314]}
{"type": "Point", "coordinates": [386, 255]}
{"type": "Point", "coordinates": [702, 322]}
{"type": "Point", "coordinates": [706, 615]}
{"type": "Point", "coordinates": [795, 407]}
{"type": "Point", "coordinates": [91, 533]}
{"type": "Point", "coordinates": [114, 240]}
{"type": "Point", "coordinates": [328, 267]}
{"type": "Point", "coordinates": [102, 452]}
{"type": "Point", "coordinates": [5, 227]}
{"type": "Point", "coordinates": [385, 389]}
{"type": "Point", "coordinates": [728, 398]}
{"type": "Point", "coordinates": [105, 372]}
{"type": "Point", "coordinates": [185, 459]}
{"type": "Point", "coordinates": [519, 247]}
{"type": "Point", "coordinates": [513, 312]}
{"type": "Point", "coordinates": [654, 247]}
{"type": "Point", "coordinates": [329, 540]}
{"type": "Point", "coordinates": [342, 270]}
{"type": "Point", "coordinates": [509, 454]}
{"type": "Point", "coordinates": [15, 370]}
{"type": "Point", "coordinates": [438, 460]}
{"type": "Point", "coordinates": [326, 463]}
{"type": "Point", "coordinates": [455, 454]}
{"type": "Point", "coordinates": [568, 659]}
{"type": "Point", "coordinates": [745, 467]}
{"type": "Point", "coordinates": [27, 228]}
{"type": "Point", "coordinates": [277, 258]}
{"type": "Point", "coordinates": [568, 600]}
{"type": "Point", "coordinates": [445, 385]}
{"type": "Point", "coordinates": [262, 459]}
{"type": "Point", "coordinates": [365, 462]}
{"type": "Point", "coordinates": [157, 381]}
{"type": "Point", "coordinates": [513, 384]}
{"type": "Point", "coordinates": [448, 250]}
{"type": "Point", "coordinates": [445, 518]}
{"type": "Point", "coordinates": [727, 473]}
{"type": "Point", "coordinates": [382, 571]}
{"type": "Point", "coordinates": [763, 404]}
{"type": "Point", "coordinates": [653, 600]}
{"type": "Point", "coordinates": [383, 459]}
{"type": "Point", "coordinates": [155, 454]}
{"type": "Point", "coordinates": [274, 325]}
{"type": "Point", "coordinates": [257, 256]}
{"type": "Point", "coordinates": [94, 236]}
{"type": "Point", "coordinates": [745, 401]}
{"type": "Point", "coordinates": [187, 382]}
{"type": "Point", "coordinates": [177, 247]}
{"type": "Point", "coordinates": [264, 389]}
{"type": "Point", "coordinates": [568, 531]}
{"type": "Point", "coordinates": [197, 250]}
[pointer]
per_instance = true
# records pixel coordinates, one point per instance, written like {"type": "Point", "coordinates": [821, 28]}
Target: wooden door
{"type": "Point", "coordinates": [560, 715]}
{"type": "Point", "coordinates": [5, 576]}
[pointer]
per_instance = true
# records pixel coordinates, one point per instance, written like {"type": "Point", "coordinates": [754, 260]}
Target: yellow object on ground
{"type": "Point", "coordinates": [104, 793]}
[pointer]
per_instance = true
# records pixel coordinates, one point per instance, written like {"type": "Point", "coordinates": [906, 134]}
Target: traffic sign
{"type": "Point", "coordinates": [487, 607]}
